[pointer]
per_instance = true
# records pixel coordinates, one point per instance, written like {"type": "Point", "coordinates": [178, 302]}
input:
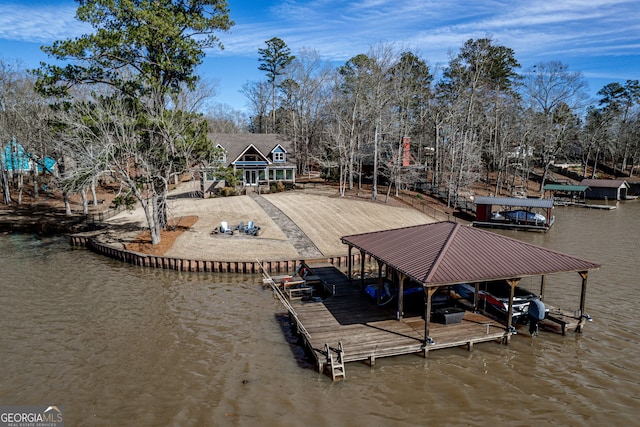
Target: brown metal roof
{"type": "Point", "coordinates": [447, 253]}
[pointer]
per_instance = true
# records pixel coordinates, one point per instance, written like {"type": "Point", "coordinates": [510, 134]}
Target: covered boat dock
{"type": "Point", "coordinates": [566, 193]}
{"type": "Point", "coordinates": [353, 326]}
{"type": "Point", "coordinates": [486, 217]}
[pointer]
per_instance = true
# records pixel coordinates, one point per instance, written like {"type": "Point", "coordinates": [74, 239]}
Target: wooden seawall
{"type": "Point", "coordinates": [195, 265]}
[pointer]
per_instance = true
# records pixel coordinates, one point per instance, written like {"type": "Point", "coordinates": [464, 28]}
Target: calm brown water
{"type": "Point", "coordinates": [120, 345]}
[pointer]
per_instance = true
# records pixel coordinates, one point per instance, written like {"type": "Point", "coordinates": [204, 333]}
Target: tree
{"type": "Point", "coordinates": [620, 103]}
{"type": "Point", "coordinates": [142, 52]}
{"type": "Point", "coordinates": [23, 118]}
{"type": "Point", "coordinates": [257, 94]}
{"type": "Point", "coordinates": [410, 80]}
{"type": "Point", "coordinates": [305, 94]}
{"type": "Point", "coordinates": [475, 84]}
{"type": "Point", "coordinates": [553, 94]}
{"type": "Point", "coordinates": [274, 60]}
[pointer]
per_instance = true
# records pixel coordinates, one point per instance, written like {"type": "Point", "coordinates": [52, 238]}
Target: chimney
{"type": "Point", "coordinates": [406, 151]}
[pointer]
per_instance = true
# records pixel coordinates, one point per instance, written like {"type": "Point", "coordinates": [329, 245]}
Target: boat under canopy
{"type": "Point", "coordinates": [514, 212]}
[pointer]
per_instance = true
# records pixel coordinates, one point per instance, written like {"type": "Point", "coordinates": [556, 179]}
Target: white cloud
{"type": "Point", "coordinates": [341, 30]}
{"type": "Point", "coordinates": [538, 30]}
{"type": "Point", "coordinates": [39, 24]}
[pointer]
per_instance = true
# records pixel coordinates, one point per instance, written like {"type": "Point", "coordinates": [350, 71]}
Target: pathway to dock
{"type": "Point", "coordinates": [299, 240]}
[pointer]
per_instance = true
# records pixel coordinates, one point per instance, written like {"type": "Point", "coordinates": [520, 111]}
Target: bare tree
{"type": "Point", "coordinates": [554, 95]}
{"type": "Point", "coordinates": [257, 94]}
{"type": "Point", "coordinates": [23, 118]}
{"type": "Point", "coordinates": [305, 95]}
{"type": "Point", "coordinates": [474, 83]}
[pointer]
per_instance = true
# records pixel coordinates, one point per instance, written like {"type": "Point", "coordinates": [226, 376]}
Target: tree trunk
{"type": "Point", "coordinates": [35, 183]}
{"type": "Point", "coordinates": [6, 194]}
{"type": "Point", "coordinates": [67, 204]}
{"type": "Point", "coordinates": [374, 186]}
{"type": "Point", "coordinates": [85, 201]}
{"type": "Point", "coordinates": [93, 192]}
{"type": "Point", "coordinates": [20, 184]}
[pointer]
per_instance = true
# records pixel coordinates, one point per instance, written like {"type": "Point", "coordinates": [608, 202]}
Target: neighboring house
{"type": "Point", "coordinates": [16, 160]}
{"type": "Point", "coordinates": [263, 159]}
{"type": "Point", "coordinates": [614, 189]}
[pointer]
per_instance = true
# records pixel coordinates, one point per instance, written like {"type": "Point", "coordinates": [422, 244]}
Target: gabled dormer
{"type": "Point", "coordinates": [221, 155]}
{"type": "Point", "coordinates": [251, 156]}
{"type": "Point", "coordinates": [279, 154]}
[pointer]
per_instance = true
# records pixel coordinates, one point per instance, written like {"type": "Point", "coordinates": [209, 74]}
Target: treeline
{"type": "Point", "coordinates": [482, 117]}
{"type": "Point", "coordinates": [125, 104]}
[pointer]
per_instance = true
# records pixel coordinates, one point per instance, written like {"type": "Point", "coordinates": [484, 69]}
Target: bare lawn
{"type": "Point", "coordinates": [320, 213]}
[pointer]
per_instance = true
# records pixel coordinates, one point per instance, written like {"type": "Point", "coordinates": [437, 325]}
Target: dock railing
{"type": "Point", "coordinates": [268, 280]}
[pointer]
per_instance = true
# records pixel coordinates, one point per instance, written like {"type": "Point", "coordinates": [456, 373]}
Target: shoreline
{"type": "Point", "coordinates": [320, 218]}
{"type": "Point", "coordinates": [199, 265]}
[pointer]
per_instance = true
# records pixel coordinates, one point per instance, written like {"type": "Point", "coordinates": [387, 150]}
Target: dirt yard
{"type": "Point", "coordinates": [320, 213]}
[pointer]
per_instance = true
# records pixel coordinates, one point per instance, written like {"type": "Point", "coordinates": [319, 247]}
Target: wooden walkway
{"type": "Point", "coordinates": [368, 331]}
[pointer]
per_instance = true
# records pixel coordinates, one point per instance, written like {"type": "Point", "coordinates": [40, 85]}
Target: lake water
{"type": "Point", "coordinates": [120, 345]}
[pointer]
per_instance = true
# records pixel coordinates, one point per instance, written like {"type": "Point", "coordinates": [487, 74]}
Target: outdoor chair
{"type": "Point", "coordinates": [252, 229]}
{"type": "Point", "coordinates": [223, 229]}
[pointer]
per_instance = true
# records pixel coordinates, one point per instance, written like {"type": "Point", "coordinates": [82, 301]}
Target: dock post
{"type": "Point", "coordinates": [583, 298]}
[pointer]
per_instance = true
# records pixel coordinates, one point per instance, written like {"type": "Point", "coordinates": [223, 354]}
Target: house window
{"type": "Point", "coordinates": [261, 175]}
{"type": "Point", "coordinates": [278, 156]}
{"type": "Point", "coordinates": [279, 174]}
{"type": "Point", "coordinates": [290, 174]}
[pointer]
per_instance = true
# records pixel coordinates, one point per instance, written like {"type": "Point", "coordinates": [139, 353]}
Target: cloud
{"type": "Point", "coordinates": [434, 28]}
{"type": "Point", "coordinates": [39, 24]}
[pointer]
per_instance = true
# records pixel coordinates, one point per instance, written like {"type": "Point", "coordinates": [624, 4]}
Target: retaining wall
{"type": "Point", "coordinates": [192, 265]}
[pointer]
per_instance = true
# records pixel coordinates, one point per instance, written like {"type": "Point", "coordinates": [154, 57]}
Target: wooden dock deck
{"type": "Point", "coordinates": [367, 331]}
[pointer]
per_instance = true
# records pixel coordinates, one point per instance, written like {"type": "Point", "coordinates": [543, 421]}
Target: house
{"type": "Point", "coordinates": [262, 159]}
{"type": "Point", "coordinates": [614, 189]}
{"type": "Point", "coordinates": [17, 160]}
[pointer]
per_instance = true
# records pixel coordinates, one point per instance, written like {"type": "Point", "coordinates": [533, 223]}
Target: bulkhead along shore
{"type": "Point", "coordinates": [306, 223]}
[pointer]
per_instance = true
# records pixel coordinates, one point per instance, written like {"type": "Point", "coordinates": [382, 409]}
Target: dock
{"type": "Point", "coordinates": [350, 326]}
{"type": "Point", "coordinates": [512, 225]}
{"type": "Point", "coordinates": [587, 205]}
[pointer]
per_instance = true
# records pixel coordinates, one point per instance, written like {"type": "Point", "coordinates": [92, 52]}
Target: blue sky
{"type": "Point", "coordinates": [600, 38]}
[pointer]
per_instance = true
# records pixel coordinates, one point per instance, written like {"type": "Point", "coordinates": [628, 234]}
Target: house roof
{"type": "Point", "coordinates": [446, 253]}
{"type": "Point", "coordinates": [515, 201]}
{"type": "Point", "coordinates": [605, 183]}
{"type": "Point", "coordinates": [236, 143]}
{"type": "Point", "coordinates": [632, 179]}
{"type": "Point", "coordinates": [565, 187]}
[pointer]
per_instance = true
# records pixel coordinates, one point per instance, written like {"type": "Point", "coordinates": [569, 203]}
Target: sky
{"type": "Point", "coordinates": [600, 38]}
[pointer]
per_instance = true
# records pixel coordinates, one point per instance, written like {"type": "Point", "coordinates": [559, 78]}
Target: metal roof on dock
{"type": "Point", "coordinates": [565, 187]}
{"type": "Point", "coordinates": [515, 201]}
{"type": "Point", "coordinates": [448, 253]}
